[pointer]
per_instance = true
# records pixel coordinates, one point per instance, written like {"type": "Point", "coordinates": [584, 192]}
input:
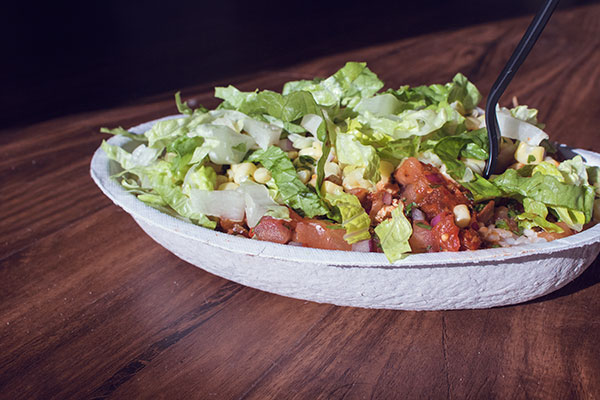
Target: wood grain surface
{"type": "Point", "coordinates": [90, 307]}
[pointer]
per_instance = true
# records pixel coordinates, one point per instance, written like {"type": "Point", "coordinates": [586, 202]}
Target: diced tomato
{"type": "Point", "coordinates": [446, 233]}
{"type": "Point", "coordinates": [234, 227]}
{"type": "Point", "coordinates": [469, 239]}
{"type": "Point", "coordinates": [273, 230]}
{"type": "Point", "coordinates": [317, 234]}
{"type": "Point", "coordinates": [422, 239]}
{"type": "Point", "coordinates": [428, 188]}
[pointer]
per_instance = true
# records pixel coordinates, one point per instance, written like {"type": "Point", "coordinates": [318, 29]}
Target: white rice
{"type": "Point", "coordinates": [505, 238]}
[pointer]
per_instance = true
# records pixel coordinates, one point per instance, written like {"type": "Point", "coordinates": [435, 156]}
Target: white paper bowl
{"type": "Point", "coordinates": [435, 281]}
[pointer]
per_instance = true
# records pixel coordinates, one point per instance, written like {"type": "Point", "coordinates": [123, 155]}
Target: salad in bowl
{"type": "Point", "coordinates": [340, 164]}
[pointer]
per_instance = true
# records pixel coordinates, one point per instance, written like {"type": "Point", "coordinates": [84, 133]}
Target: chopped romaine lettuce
{"type": "Point", "coordinates": [393, 235]}
{"type": "Point", "coordinates": [355, 220]}
{"type": "Point", "coordinates": [290, 188]}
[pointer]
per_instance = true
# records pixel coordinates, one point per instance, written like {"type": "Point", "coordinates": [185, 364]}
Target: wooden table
{"type": "Point", "coordinates": [91, 307]}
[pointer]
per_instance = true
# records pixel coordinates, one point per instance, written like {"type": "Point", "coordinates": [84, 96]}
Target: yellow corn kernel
{"type": "Point", "coordinates": [354, 179]}
{"type": "Point", "coordinates": [331, 188]}
{"type": "Point", "coordinates": [332, 169]}
{"type": "Point", "coordinates": [305, 175]}
{"type": "Point", "coordinates": [527, 154]}
{"type": "Point", "coordinates": [462, 216]}
{"type": "Point", "coordinates": [242, 172]}
{"type": "Point", "coordinates": [228, 186]}
{"type": "Point", "coordinates": [261, 175]}
{"type": "Point", "coordinates": [222, 179]}
{"type": "Point", "coordinates": [385, 169]}
{"type": "Point", "coordinates": [313, 180]}
{"type": "Point", "coordinates": [315, 151]}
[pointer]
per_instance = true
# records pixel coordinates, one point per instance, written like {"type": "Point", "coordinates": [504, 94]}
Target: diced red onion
{"type": "Point", "coordinates": [286, 145]}
{"type": "Point", "coordinates": [387, 198]}
{"type": "Point", "coordinates": [362, 246]}
{"type": "Point", "coordinates": [434, 178]}
{"type": "Point", "coordinates": [417, 214]}
{"type": "Point", "coordinates": [436, 219]}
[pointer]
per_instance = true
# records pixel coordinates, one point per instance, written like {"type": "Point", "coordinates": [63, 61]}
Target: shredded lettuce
{"type": "Point", "coordinates": [355, 220]}
{"type": "Point", "coordinates": [290, 188]}
{"type": "Point", "coordinates": [515, 128]}
{"type": "Point", "coordinates": [548, 190]}
{"type": "Point", "coordinates": [258, 203]}
{"type": "Point", "coordinates": [449, 150]}
{"type": "Point", "coordinates": [535, 216]}
{"type": "Point", "coordinates": [351, 152]}
{"type": "Point", "coordinates": [393, 235]}
{"type": "Point", "coordinates": [346, 87]}
{"type": "Point", "coordinates": [526, 114]}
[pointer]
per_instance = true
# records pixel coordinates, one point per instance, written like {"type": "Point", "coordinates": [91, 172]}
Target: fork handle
{"type": "Point", "coordinates": [527, 42]}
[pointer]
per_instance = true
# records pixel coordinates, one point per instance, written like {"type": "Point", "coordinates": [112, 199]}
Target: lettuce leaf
{"type": "Point", "coordinates": [222, 144]}
{"type": "Point", "coordinates": [120, 131]}
{"type": "Point", "coordinates": [515, 128]}
{"type": "Point", "coordinates": [199, 177]}
{"type": "Point", "coordinates": [460, 89]}
{"type": "Point", "coordinates": [535, 216]}
{"type": "Point", "coordinates": [355, 220]}
{"type": "Point", "coordinates": [346, 87]}
{"type": "Point", "coordinates": [290, 188]}
{"type": "Point", "coordinates": [393, 235]}
{"type": "Point", "coordinates": [548, 190]}
{"type": "Point", "coordinates": [259, 203]}
{"type": "Point", "coordinates": [449, 150]}
{"type": "Point", "coordinates": [351, 152]}
{"type": "Point", "coordinates": [526, 114]}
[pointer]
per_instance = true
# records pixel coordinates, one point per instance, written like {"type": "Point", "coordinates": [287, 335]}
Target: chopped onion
{"type": "Point", "coordinates": [364, 246]}
{"type": "Point", "coordinates": [387, 198]}
{"type": "Point", "coordinates": [436, 219]}
{"type": "Point", "coordinates": [418, 215]}
{"type": "Point", "coordinates": [434, 178]}
{"type": "Point", "coordinates": [286, 144]}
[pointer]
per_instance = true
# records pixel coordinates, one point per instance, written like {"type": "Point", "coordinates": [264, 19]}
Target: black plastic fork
{"type": "Point", "coordinates": [527, 42]}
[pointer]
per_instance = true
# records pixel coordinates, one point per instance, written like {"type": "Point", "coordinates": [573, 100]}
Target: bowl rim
{"type": "Point", "coordinates": [100, 173]}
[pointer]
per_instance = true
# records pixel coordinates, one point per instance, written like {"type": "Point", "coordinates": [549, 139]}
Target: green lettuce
{"type": "Point", "coordinates": [449, 150]}
{"type": "Point", "coordinates": [159, 186]}
{"type": "Point", "coordinates": [351, 152]}
{"type": "Point", "coordinates": [535, 216]}
{"type": "Point", "coordinates": [290, 188]}
{"type": "Point", "coordinates": [355, 220]}
{"type": "Point", "coordinates": [164, 132]}
{"type": "Point", "coordinates": [120, 131]}
{"type": "Point", "coordinates": [547, 189]}
{"type": "Point", "coordinates": [393, 235]}
{"type": "Point", "coordinates": [199, 177]}
{"type": "Point", "coordinates": [458, 90]}
{"type": "Point", "coordinates": [526, 114]}
{"type": "Point", "coordinates": [346, 87]}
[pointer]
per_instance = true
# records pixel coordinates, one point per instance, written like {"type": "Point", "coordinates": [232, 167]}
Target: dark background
{"type": "Point", "coordinates": [61, 58]}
